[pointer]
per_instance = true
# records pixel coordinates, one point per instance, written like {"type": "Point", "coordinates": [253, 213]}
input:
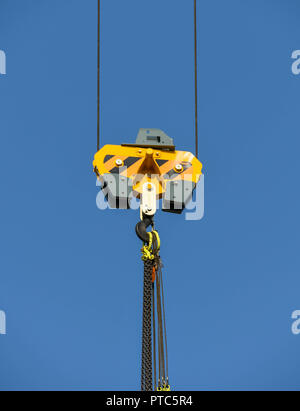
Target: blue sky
{"type": "Point", "coordinates": [71, 275]}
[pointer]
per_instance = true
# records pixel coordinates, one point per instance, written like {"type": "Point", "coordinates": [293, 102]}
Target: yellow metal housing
{"type": "Point", "coordinates": [151, 165]}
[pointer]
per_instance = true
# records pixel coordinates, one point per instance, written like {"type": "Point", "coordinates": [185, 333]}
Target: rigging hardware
{"type": "Point", "coordinates": [127, 171]}
{"type": "Point", "coordinates": [150, 169]}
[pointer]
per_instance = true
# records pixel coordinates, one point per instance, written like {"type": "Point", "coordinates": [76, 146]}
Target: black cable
{"type": "Point", "coordinates": [164, 324]}
{"type": "Point", "coordinates": [196, 76]}
{"type": "Point", "coordinates": [98, 81]}
{"type": "Point", "coordinates": [146, 375]}
{"type": "Point", "coordinates": [154, 337]}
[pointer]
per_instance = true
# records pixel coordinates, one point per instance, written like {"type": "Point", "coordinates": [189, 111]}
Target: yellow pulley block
{"type": "Point", "coordinates": [151, 163]}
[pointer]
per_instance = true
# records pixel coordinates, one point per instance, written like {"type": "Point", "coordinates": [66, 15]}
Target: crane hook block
{"type": "Point", "coordinates": [124, 171]}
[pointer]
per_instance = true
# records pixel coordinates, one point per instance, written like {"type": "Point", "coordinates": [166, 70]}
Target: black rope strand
{"type": "Point", "coordinates": [164, 324]}
{"type": "Point", "coordinates": [146, 377]}
{"type": "Point", "coordinates": [154, 337]}
{"type": "Point", "coordinates": [98, 80]}
{"type": "Point", "coordinates": [196, 77]}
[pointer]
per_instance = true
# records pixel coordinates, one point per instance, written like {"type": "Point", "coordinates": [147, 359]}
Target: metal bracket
{"type": "Point", "coordinates": [153, 138]}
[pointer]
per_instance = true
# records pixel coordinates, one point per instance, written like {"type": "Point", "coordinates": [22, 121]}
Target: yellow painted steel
{"type": "Point", "coordinates": [164, 388]}
{"type": "Point", "coordinates": [144, 165]}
